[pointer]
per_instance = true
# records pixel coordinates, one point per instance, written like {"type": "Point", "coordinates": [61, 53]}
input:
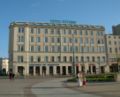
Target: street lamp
{"type": "Point", "coordinates": [73, 56]}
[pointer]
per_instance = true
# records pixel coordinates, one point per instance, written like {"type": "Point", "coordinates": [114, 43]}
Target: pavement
{"type": "Point", "coordinates": [56, 88]}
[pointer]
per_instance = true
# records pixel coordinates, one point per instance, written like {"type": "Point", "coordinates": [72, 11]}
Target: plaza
{"type": "Point", "coordinates": [56, 87]}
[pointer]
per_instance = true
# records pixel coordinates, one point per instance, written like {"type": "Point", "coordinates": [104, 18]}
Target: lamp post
{"type": "Point", "coordinates": [73, 56]}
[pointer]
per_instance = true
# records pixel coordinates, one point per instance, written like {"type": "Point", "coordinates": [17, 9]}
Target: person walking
{"type": "Point", "coordinates": [84, 80]}
{"type": "Point", "coordinates": [80, 79]}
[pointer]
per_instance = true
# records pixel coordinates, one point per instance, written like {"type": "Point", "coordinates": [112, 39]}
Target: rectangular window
{"type": "Point", "coordinates": [46, 58]}
{"type": "Point", "coordinates": [46, 48]}
{"type": "Point", "coordinates": [32, 48]}
{"type": "Point", "coordinates": [31, 58]}
{"type": "Point", "coordinates": [32, 39]}
{"type": "Point", "coordinates": [20, 59]}
{"type": "Point", "coordinates": [46, 39]}
{"type": "Point", "coordinates": [37, 39]}
{"type": "Point", "coordinates": [38, 59]}
{"type": "Point", "coordinates": [46, 31]}
{"type": "Point", "coordinates": [21, 29]}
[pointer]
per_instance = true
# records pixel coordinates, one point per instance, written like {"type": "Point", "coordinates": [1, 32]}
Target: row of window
{"type": "Point", "coordinates": [115, 42]}
{"type": "Point", "coordinates": [67, 40]}
{"type": "Point", "coordinates": [64, 59]}
{"type": "Point", "coordinates": [60, 31]}
{"type": "Point", "coordinates": [114, 50]}
{"type": "Point", "coordinates": [62, 49]}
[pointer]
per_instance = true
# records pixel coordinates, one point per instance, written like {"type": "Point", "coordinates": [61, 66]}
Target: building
{"type": "Point", "coordinates": [116, 29]}
{"type": "Point", "coordinates": [56, 48]}
{"type": "Point", "coordinates": [113, 52]}
{"type": "Point", "coordinates": [4, 65]}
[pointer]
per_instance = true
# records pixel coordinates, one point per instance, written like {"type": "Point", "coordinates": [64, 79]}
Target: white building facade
{"type": "Point", "coordinates": [4, 65]}
{"type": "Point", "coordinates": [56, 48]}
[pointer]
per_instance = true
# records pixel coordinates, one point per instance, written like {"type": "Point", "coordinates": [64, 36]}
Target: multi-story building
{"type": "Point", "coordinates": [4, 62]}
{"type": "Point", "coordinates": [56, 48]}
{"type": "Point", "coordinates": [116, 29]}
{"type": "Point", "coordinates": [113, 52]}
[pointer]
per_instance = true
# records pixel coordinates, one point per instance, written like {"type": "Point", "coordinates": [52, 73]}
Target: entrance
{"type": "Point", "coordinates": [51, 70]}
{"type": "Point", "coordinates": [44, 70]}
{"type": "Point", "coordinates": [58, 69]}
{"type": "Point", "coordinates": [94, 69]}
{"type": "Point", "coordinates": [69, 70]}
{"type": "Point", "coordinates": [77, 69]}
{"type": "Point", "coordinates": [64, 70]}
{"type": "Point", "coordinates": [20, 70]}
{"type": "Point", "coordinates": [114, 68]}
{"type": "Point", "coordinates": [37, 70]}
{"type": "Point", "coordinates": [102, 69]}
{"type": "Point", "coordinates": [31, 70]}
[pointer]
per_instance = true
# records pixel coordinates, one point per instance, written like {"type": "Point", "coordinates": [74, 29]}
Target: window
{"type": "Point", "coordinates": [75, 32]}
{"type": "Point", "coordinates": [53, 48]}
{"type": "Point", "coordinates": [46, 48]}
{"type": "Point", "coordinates": [52, 40]}
{"type": "Point", "coordinates": [20, 59]}
{"type": "Point", "coordinates": [32, 39]}
{"type": "Point", "coordinates": [71, 59]}
{"type": "Point", "coordinates": [69, 32]}
{"type": "Point", "coordinates": [110, 50]}
{"type": "Point", "coordinates": [81, 40]}
{"type": "Point", "coordinates": [20, 38]}
{"type": "Point", "coordinates": [64, 59]}
{"type": "Point", "coordinates": [21, 29]}
{"type": "Point", "coordinates": [52, 59]}
{"type": "Point", "coordinates": [93, 59]}
{"type": "Point", "coordinates": [58, 31]}
{"type": "Point", "coordinates": [70, 40]}
{"type": "Point", "coordinates": [103, 58]}
{"type": "Point", "coordinates": [64, 40]}
{"type": "Point", "coordinates": [86, 41]}
{"type": "Point", "coordinates": [52, 31]}
{"type": "Point", "coordinates": [46, 31]}
{"type": "Point", "coordinates": [65, 48]}
{"type": "Point", "coordinates": [21, 48]}
{"type": "Point", "coordinates": [31, 59]}
{"type": "Point", "coordinates": [88, 59]}
{"type": "Point", "coordinates": [86, 32]}
{"type": "Point", "coordinates": [92, 41]}
{"type": "Point", "coordinates": [58, 39]}
{"type": "Point", "coordinates": [37, 39]}
{"type": "Point", "coordinates": [31, 30]}
{"type": "Point", "coordinates": [81, 32]}
{"type": "Point", "coordinates": [109, 42]}
{"type": "Point", "coordinates": [38, 30]}
{"type": "Point", "coordinates": [38, 48]}
{"type": "Point", "coordinates": [76, 48]}
{"type": "Point", "coordinates": [32, 48]}
{"type": "Point", "coordinates": [46, 39]}
{"type": "Point", "coordinates": [115, 42]}
{"type": "Point", "coordinates": [58, 59]}
{"type": "Point", "coordinates": [116, 50]}
{"type": "Point", "coordinates": [98, 59]}
{"type": "Point", "coordinates": [82, 59]}
{"type": "Point", "coordinates": [76, 40]}
{"type": "Point", "coordinates": [91, 32]}
{"type": "Point", "coordinates": [76, 59]}
{"type": "Point", "coordinates": [46, 58]}
{"type": "Point", "coordinates": [38, 59]}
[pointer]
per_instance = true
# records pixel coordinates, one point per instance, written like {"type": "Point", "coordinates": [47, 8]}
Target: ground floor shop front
{"type": "Point", "coordinates": [57, 69]}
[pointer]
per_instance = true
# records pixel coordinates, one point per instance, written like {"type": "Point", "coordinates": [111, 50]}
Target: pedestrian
{"type": "Point", "coordinates": [84, 80]}
{"type": "Point", "coordinates": [80, 79]}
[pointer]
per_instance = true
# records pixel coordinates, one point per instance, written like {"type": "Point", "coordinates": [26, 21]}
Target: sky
{"type": "Point", "coordinates": [93, 12]}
